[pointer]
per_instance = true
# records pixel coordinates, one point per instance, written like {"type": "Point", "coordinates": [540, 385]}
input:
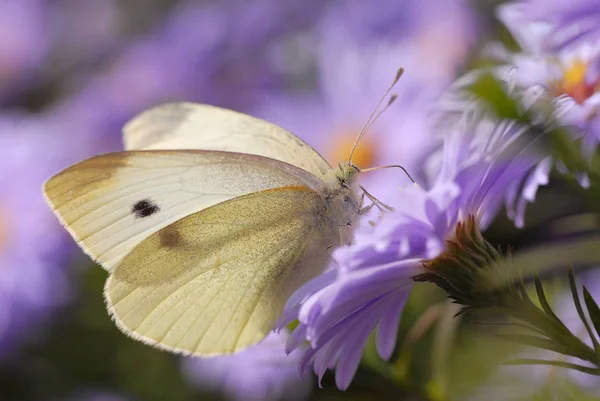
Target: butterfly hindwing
{"type": "Point", "coordinates": [214, 282]}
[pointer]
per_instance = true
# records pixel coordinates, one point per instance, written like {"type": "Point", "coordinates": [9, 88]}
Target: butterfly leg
{"type": "Point", "coordinates": [374, 203]}
{"type": "Point", "coordinates": [367, 209]}
{"type": "Point", "coordinates": [378, 203]}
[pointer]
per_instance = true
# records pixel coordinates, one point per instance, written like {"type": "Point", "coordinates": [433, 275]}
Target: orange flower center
{"type": "Point", "coordinates": [364, 156]}
{"type": "Point", "coordinates": [573, 82]}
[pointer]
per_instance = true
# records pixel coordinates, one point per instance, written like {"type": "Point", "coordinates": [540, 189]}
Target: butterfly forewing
{"type": "Point", "coordinates": [199, 126]}
{"type": "Point", "coordinates": [111, 203]}
{"type": "Point", "coordinates": [215, 282]}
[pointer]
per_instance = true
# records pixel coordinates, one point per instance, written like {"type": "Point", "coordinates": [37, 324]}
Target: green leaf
{"type": "Point", "coordinates": [579, 308]}
{"type": "Point", "coordinates": [593, 309]}
{"type": "Point", "coordinates": [539, 288]}
{"type": "Point", "coordinates": [492, 92]}
{"type": "Point", "coordinates": [561, 364]}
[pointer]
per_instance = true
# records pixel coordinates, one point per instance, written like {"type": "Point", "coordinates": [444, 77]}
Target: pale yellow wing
{"type": "Point", "coordinates": [200, 126]}
{"type": "Point", "coordinates": [215, 282]}
{"type": "Point", "coordinates": [110, 203]}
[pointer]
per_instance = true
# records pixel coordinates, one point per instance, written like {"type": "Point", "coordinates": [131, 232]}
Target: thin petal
{"type": "Point", "coordinates": [387, 330]}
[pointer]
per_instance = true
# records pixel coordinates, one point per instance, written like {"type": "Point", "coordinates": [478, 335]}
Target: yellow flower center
{"type": "Point", "coordinates": [364, 156]}
{"type": "Point", "coordinates": [575, 73]}
{"type": "Point", "coordinates": [573, 82]}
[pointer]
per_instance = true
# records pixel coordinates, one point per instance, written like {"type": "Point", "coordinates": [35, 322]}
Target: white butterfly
{"type": "Point", "coordinates": [207, 223]}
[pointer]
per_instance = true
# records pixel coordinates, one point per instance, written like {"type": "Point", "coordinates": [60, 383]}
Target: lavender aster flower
{"type": "Point", "coordinates": [345, 98]}
{"type": "Point", "coordinates": [566, 76]}
{"type": "Point", "coordinates": [561, 23]}
{"type": "Point", "coordinates": [262, 372]}
{"type": "Point", "coordinates": [337, 311]}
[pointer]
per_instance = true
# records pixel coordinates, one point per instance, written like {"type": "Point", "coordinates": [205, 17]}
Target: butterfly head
{"type": "Point", "coordinates": [348, 174]}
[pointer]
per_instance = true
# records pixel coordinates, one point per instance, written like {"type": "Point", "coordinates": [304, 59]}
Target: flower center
{"type": "Point", "coordinates": [574, 83]}
{"type": "Point", "coordinates": [339, 150]}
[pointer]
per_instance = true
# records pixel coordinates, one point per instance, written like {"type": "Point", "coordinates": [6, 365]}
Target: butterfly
{"type": "Point", "coordinates": [206, 223]}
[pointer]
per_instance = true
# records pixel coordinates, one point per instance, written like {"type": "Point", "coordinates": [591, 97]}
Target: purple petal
{"type": "Point", "coordinates": [387, 330]}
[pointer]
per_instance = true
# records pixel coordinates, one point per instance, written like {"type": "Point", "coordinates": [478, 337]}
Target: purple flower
{"type": "Point", "coordinates": [33, 246]}
{"type": "Point", "coordinates": [474, 174]}
{"type": "Point", "coordinates": [261, 372]}
{"type": "Point", "coordinates": [331, 119]}
{"type": "Point", "coordinates": [356, 62]}
{"type": "Point", "coordinates": [567, 76]}
{"type": "Point", "coordinates": [558, 23]}
{"type": "Point", "coordinates": [494, 163]}
{"type": "Point", "coordinates": [338, 310]}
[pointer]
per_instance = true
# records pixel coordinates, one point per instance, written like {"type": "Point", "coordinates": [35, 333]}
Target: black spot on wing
{"type": "Point", "coordinates": [144, 208]}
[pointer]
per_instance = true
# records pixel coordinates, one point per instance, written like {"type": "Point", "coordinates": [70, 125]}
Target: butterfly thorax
{"type": "Point", "coordinates": [342, 199]}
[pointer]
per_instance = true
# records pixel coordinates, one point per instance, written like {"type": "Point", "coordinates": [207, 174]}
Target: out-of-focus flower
{"type": "Point", "coordinates": [555, 24]}
{"type": "Point", "coordinates": [24, 41]}
{"type": "Point", "coordinates": [331, 120]}
{"type": "Point", "coordinates": [358, 55]}
{"type": "Point", "coordinates": [567, 77]}
{"type": "Point", "coordinates": [33, 246]}
{"type": "Point", "coordinates": [263, 372]}
{"type": "Point", "coordinates": [496, 162]}
{"type": "Point", "coordinates": [480, 163]}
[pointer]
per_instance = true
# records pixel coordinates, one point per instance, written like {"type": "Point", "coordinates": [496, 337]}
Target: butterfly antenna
{"type": "Point", "coordinates": [390, 166]}
{"type": "Point", "coordinates": [375, 114]}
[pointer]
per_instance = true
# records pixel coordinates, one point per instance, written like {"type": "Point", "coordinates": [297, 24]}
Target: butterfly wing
{"type": "Point", "coordinates": [110, 203]}
{"type": "Point", "coordinates": [198, 126]}
{"type": "Point", "coordinates": [215, 282]}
